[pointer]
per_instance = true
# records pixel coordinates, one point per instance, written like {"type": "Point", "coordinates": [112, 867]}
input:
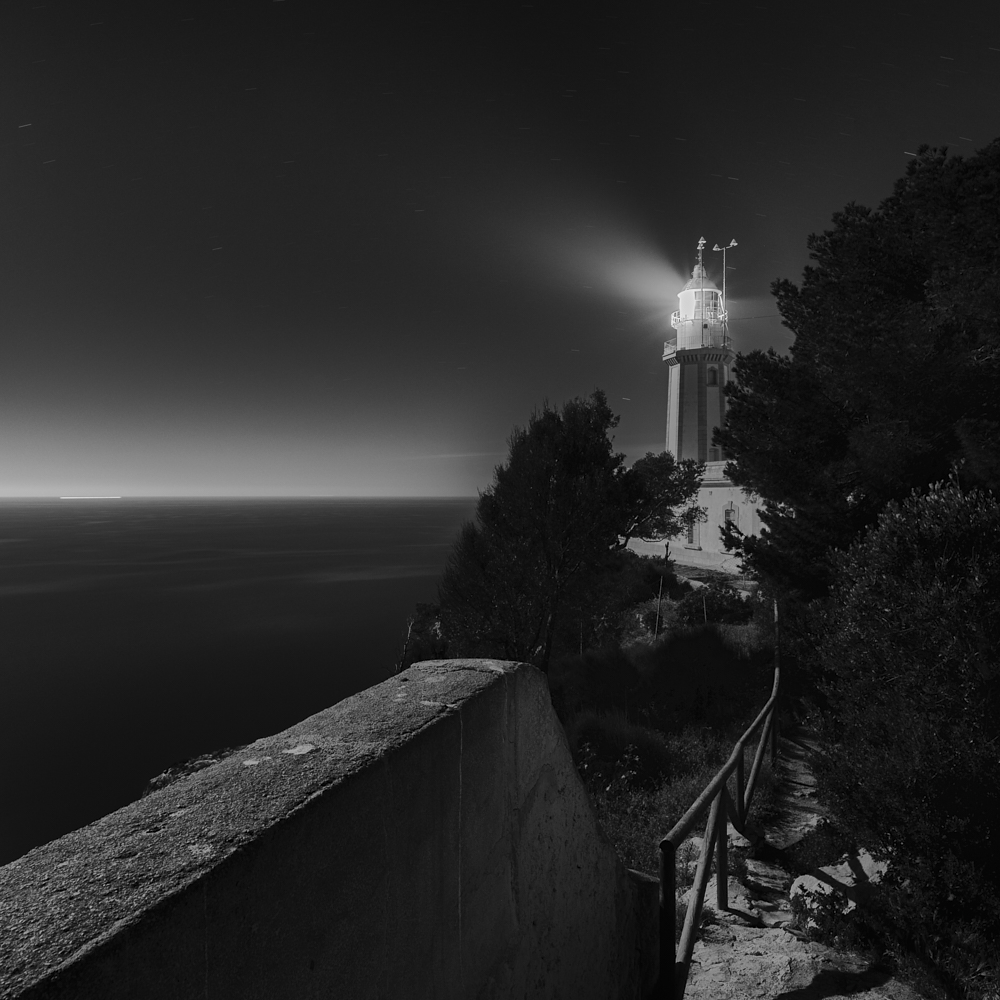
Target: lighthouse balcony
{"type": "Point", "coordinates": [695, 340]}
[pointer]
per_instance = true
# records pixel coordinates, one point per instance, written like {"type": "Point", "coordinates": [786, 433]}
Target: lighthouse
{"type": "Point", "coordinates": [698, 360]}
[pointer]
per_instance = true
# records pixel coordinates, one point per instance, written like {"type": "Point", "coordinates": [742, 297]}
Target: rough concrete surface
{"type": "Point", "coordinates": [428, 837]}
{"type": "Point", "coordinates": [752, 951]}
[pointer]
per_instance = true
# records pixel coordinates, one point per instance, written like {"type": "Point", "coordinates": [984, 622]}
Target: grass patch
{"type": "Point", "coordinates": [633, 819]}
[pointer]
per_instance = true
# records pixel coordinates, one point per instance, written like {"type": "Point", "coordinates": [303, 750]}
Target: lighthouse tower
{"type": "Point", "coordinates": [698, 358]}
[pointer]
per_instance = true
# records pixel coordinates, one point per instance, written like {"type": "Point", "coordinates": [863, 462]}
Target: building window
{"type": "Point", "coordinates": [731, 517]}
{"type": "Point", "coordinates": [713, 376]}
{"type": "Point", "coordinates": [692, 535]}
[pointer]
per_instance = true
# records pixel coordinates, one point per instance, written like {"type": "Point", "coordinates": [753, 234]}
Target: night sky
{"type": "Point", "coordinates": [290, 248]}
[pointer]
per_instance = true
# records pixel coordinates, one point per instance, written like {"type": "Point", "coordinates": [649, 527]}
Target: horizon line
{"type": "Point", "coordinates": [243, 496]}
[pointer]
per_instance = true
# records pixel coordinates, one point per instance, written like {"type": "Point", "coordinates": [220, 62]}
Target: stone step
{"type": "Point", "coordinates": [777, 918]}
{"type": "Point", "coordinates": [766, 880]}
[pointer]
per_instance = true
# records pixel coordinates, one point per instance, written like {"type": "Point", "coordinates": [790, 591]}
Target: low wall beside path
{"type": "Point", "coordinates": [427, 837]}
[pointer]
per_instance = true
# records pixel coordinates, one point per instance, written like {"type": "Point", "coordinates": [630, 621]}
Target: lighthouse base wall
{"type": "Point", "coordinates": [721, 501]}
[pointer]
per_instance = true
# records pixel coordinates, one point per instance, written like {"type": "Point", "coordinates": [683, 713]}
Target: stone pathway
{"type": "Point", "coordinates": [751, 951]}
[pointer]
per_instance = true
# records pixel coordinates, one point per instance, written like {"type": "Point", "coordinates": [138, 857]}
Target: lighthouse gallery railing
{"type": "Point", "coordinates": [723, 807]}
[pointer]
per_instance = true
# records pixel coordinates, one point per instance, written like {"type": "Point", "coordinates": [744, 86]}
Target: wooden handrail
{"type": "Point", "coordinates": [675, 961]}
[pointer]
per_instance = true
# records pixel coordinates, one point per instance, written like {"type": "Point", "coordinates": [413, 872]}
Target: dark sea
{"type": "Point", "coordinates": [140, 633]}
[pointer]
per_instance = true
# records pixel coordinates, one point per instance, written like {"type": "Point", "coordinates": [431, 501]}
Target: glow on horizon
{"type": "Point", "coordinates": [90, 498]}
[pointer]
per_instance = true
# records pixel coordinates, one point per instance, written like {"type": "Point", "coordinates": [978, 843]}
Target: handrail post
{"type": "Point", "coordinates": [692, 918]}
{"type": "Point", "coordinates": [740, 788]}
{"type": "Point", "coordinates": [722, 852]}
{"type": "Point", "coordinates": [665, 989]}
{"type": "Point", "coordinates": [777, 666]}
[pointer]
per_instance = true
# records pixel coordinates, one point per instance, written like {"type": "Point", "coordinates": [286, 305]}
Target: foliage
{"type": "Point", "coordinates": [618, 753]}
{"type": "Point", "coordinates": [717, 603]}
{"type": "Point", "coordinates": [645, 764]}
{"type": "Point", "coordinates": [549, 515]}
{"type": "Point", "coordinates": [655, 488]}
{"type": "Point", "coordinates": [423, 639]}
{"type": "Point", "coordinates": [699, 674]}
{"type": "Point", "coordinates": [546, 531]}
{"type": "Point", "coordinates": [892, 373]}
{"type": "Point", "coordinates": [601, 610]}
{"type": "Point", "coordinates": [601, 679]}
{"type": "Point", "coordinates": [908, 647]}
{"type": "Point", "coordinates": [894, 927]}
{"type": "Point", "coordinates": [649, 620]}
{"type": "Point", "coordinates": [601, 606]}
{"type": "Point", "coordinates": [641, 788]}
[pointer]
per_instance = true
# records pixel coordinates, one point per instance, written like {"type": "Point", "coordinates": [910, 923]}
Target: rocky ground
{"type": "Point", "coordinates": [754, 950]}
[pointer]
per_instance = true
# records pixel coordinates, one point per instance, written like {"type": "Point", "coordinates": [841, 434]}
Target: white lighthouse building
{"type": "Point", "coordinates": [699, 359]}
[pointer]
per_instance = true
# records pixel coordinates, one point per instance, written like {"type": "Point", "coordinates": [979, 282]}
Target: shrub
{"type": "Point", "coordinates": [647, 621]}
{"type": "Point", "coordinates": [705, 675]}
{"type": "Point", "coordinates": [614, 751]}
{"type": "Point", "coordinates": [718, 602]}
{"type": "Point", "coordinates": [600, 679]}
{"type": "Point", "coordinates": [608, 605]}
{"type": "Point", "coordinates": [908, 652]}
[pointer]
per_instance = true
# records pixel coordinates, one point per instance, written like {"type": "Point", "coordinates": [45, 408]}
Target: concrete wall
{"type": "Point", "coordinates": [428, 837]}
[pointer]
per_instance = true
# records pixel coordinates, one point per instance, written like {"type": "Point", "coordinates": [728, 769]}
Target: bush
{"type": "Point", "coordinates": [709, 675]}
{"type": "Point", "coordinates": [610, 749]}
{"type": "Point", "coordinates": [608, 606]}
{"type": "Point", "coordinates": [717, 602]}
{"type": "Point", "coordinates": [908, 653]}
{"type": "Point", "coordinates": [641, 782]}
{"type": "Point", "coordinates": [646, 621]}
{"type": "Point", "coordinates": [601, 680]}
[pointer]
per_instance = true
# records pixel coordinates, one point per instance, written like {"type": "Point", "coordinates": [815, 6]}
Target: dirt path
{"type": "Point", "coordinates": [750, 951]}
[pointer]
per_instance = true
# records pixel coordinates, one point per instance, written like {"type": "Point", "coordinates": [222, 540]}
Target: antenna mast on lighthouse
{"type": "Point", "coordinates": [725, 304]}
{"type": "Point", "coordinates": [701, 271]}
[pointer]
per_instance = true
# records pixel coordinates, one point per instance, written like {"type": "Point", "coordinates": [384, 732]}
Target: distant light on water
{"type": "Point", "coordinates": [90, 498]}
